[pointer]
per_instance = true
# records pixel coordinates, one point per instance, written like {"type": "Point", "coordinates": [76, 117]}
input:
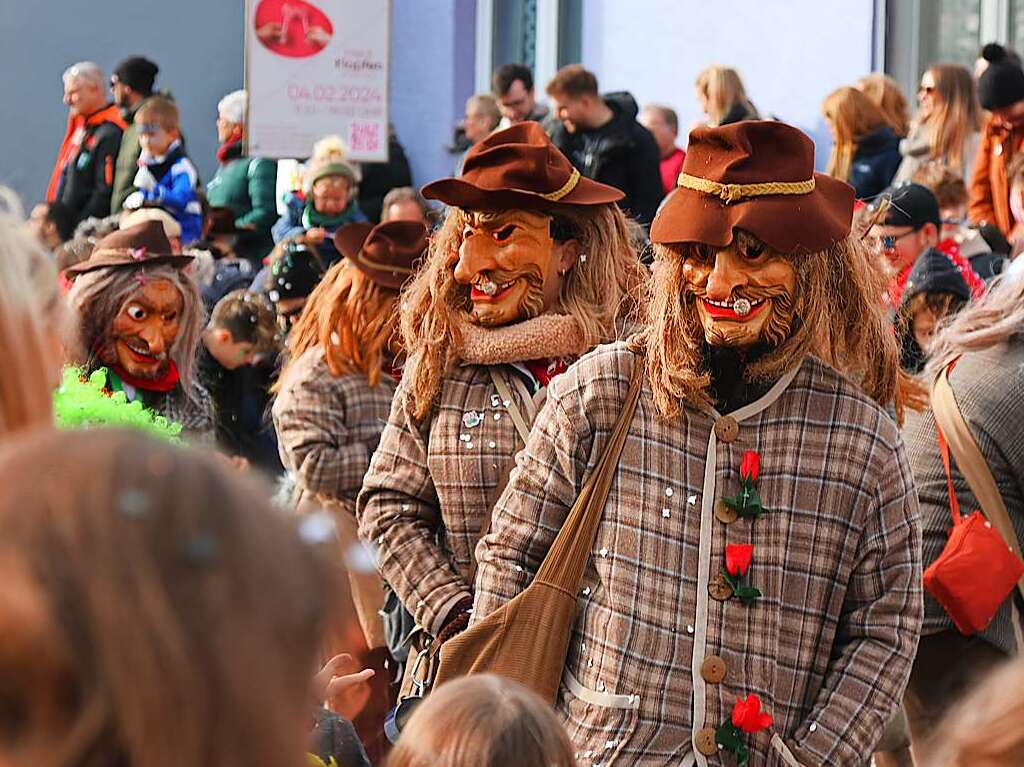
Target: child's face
{"type": "Point", "coordinates": [331, 195]}
{"type": "Point", "coordinates": [155, 139]}
{"type": "Point", "coordinates": [923, 325]}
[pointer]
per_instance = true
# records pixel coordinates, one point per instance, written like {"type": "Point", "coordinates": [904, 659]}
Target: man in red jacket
{"type": "Point", "coordinates": [83, 176]}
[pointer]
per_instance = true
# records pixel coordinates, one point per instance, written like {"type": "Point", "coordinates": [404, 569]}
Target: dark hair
{"type": "Point", "coordinates": [507, 74]}
{"type": "Point", "coordinates": [248, 316]}
{"type": "Point", "coordinates": [573, 81]}
{"type": "Point", "coordinates": [63, 218]}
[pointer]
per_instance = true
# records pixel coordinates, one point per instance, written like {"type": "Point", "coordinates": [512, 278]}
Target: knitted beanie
{"type": "Point", "coordinates": [137, 73]}
{"type": "Point", "coordinates": [1002, 82]}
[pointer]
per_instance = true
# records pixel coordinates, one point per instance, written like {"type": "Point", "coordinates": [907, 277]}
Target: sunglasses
{"type": "Point", "coordinates": [926, 89]}
{"type": "Point", "coordinates": [149, 129]}
{"type": "Point", "coordinates": [889, 240]}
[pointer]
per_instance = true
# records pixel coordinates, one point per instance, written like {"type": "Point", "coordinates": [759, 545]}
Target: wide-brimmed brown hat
{"type": "Point", "coordinates": [756, 176]}
{"type": "Point", "coordinates": [519, 167]}
{"type": "Point", "coordinates": [136, 247]}
{"type": "Point", "coordinates": [387, 253]}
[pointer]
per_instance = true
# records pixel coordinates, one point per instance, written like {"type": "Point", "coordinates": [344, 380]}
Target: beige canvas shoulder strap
{"type": "Point", "coordinates": [505, 392]}
{"type": "Point", "coordinates": [971, 462]}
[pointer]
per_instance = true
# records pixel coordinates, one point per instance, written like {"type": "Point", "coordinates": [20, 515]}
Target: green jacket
{"type": "Point", "coordinates": [127, 161]}
{"type": "Point", "coordinates": [248, 185]}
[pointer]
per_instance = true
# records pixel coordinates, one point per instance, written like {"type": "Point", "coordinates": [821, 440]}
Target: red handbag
{"type": "Point", "coordinates": [978, 568]}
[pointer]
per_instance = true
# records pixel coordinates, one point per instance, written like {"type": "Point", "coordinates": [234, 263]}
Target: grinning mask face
{"type": "Point", "coordinates": [145, 329]}
{"type": "Point", "coordinates": [744, 293]}
{"type": "Point", "coordinates": [512, 265]}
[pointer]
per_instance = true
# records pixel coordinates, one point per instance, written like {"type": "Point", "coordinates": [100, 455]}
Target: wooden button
{"type": "Point", "coordinates": [725, 513]}
{"type": "Point", "coordinates": [719, 588]}
{"type": "Point", "coordinates": [704, 740]}
{"type": "Point", "coordinates": [713, 669]}
{"type": "Point", "coordinates": [726, 429]}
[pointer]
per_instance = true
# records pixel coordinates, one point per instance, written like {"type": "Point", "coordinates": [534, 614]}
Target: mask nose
{"type": "Point", "coordinates": [726, 275]}
{"type": "Point", "coordinates": [155, 339]}
{"type": "Point", "coordinates": [475, 256]}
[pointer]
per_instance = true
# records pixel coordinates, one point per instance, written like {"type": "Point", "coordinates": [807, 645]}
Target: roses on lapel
{"type": "Point", "coordinates": [747, 502]}
{"type": "Point", "coordinates": [737, 562]}
{"type": "Point", "coordinates": [747, 717]}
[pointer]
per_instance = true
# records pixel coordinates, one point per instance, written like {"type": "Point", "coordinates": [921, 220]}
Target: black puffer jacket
{"type": "Point", "coordinates": [621, 153]}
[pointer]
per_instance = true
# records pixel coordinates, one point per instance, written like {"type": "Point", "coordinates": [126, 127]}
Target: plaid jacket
{"type": "Point", "coordinates": [327, 427]}
{"type": "Point", "coordinates": [430, 484]}
{"type": "Point", "coordinates": [828, 648]}
{"type": "Point", "coordinates": [989, 388]}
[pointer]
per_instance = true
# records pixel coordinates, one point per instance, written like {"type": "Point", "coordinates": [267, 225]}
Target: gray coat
{"type": "Point", "coordinates": [989, 387]}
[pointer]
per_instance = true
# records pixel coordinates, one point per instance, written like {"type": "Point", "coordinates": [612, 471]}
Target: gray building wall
{"type": "Point", "coordinates": [196, 43]}
{"type": "Point", "coordinates": [199, 47]}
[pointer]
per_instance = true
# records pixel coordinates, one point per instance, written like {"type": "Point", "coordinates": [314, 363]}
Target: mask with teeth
{"type": "Point", "coordinates": [743, 294]}
{"type": "Point", "coordinates": [144, 330]}
{"type": "Point", "coordinates": [509, 264]}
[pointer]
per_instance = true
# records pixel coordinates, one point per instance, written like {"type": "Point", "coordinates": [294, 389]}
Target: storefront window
{"type": "Point", "coordinates": [949, 33]}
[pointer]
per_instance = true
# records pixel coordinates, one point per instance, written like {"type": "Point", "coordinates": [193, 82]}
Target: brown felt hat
{"type": "Point", "coordinates": [519, 167]}
{"type": "Point", "coordinates": [145, 244]}
{"type": "Point", "coordinates": [387, 253]}
{"type": "Point", "coordinates": [757, 176]}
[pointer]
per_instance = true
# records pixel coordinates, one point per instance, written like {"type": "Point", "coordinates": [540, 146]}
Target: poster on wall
{"type": "Point", "coordinates": [315, 69]}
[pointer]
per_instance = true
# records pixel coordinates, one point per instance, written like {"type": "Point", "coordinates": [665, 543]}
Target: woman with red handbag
{"type": "Point", "coordinates": [970, 615]}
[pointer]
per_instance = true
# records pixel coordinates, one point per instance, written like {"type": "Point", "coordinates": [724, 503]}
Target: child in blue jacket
{"type": "Point", "coordinates": [166, 176]}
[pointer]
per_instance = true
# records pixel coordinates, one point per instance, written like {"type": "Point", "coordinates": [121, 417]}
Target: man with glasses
{"type": "Point", "coordinates": [513, 88]}
{"type": "Point", "coordinates": [83, 175]}
{"type": "Point", "coordinates": [910, 227]}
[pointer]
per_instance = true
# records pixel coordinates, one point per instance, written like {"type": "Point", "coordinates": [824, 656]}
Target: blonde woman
{"type": "Point", "coordinates": [888, 96]}
{"type": "Point", "coordinates": [483, 721]}
{"type": "Point", "coordinates": [722, 97]}
{"type": "Point", "coordinates": [865, 150]}
{"type": "Point", "coordinates": [987, 342]}
{"type": "Point", "coordinates": [948, 124]}
{"type": "Point", "coordinates": [33, 324]}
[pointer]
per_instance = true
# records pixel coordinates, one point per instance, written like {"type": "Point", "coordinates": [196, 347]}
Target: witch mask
{"type": "Point", "coordinates": [744, 293]}
{"type": "Point", "coordinates": [512, 265]}
{"type": "Point", "coordinates": [144, 330]}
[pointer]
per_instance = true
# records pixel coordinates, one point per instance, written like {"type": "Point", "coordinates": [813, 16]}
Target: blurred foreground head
{"type": "Point", "coordinates": [483, 721]}
{"type": "Point", "coordinates": [155, 611]}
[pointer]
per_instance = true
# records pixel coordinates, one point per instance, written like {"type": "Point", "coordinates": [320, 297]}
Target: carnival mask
{"type": "Point", "coordinates": [511, 263]}
{"type": "Point", "coordinates": [145, 329]}
{"type": "Point", "coordinates": [744, 293]}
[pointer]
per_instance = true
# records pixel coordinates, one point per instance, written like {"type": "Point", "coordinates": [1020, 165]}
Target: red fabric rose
{"type": "Point", "coordinates": [737, 558]}
{"type": "Point", "coordinates": [748, 716]}
{"type": "Point", "coordinates": [750, 466]}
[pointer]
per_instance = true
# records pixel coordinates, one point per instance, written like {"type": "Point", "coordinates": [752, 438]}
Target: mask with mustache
{"type": "Point", "coordinates": [743, 294]}
{"type": "Point", "coordinates": [144, 331]}
{"type": "Point", "coordinates": [507, 265]}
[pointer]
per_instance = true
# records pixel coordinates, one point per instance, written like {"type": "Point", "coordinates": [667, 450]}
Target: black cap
{"type": "Point", "coordinates": [933, 272]}
{"type": "Point", "coordinates": [911, 205]}
{"type": "Point", "coordinates": [1002, 82]}
{"type": "Point", "coordinates": [295, 274]}
{"type": "Point", "coordinates": [137, 73]}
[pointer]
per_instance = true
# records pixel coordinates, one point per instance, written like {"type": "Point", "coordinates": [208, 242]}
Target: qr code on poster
{"type": "Point", "coordinates": [364, 137]}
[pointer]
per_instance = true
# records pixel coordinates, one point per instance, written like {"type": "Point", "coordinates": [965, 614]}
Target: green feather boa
{"type": "Point", "coordinates": [82, 403]}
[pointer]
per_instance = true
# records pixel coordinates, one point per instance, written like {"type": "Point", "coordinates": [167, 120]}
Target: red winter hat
{"type": "Point", "coordinates": [757, 176]}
